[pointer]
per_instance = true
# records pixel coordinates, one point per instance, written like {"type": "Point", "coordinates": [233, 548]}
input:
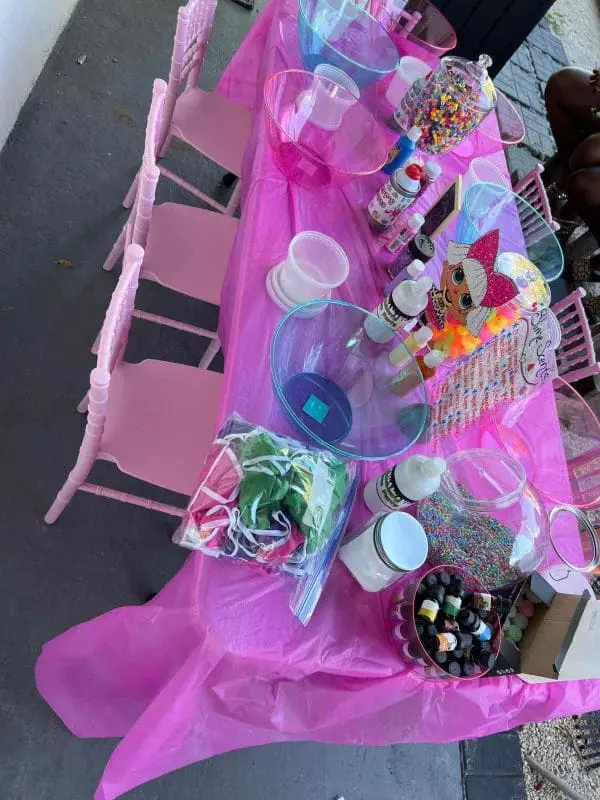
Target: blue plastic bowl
{"type": "Point", "coordinates": [338, 387]}
{"type": "Point", "coordinates": [362, 47]}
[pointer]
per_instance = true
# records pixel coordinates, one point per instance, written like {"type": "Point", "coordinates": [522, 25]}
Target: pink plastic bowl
{"type": "Point", "coordinates": [306, 152]}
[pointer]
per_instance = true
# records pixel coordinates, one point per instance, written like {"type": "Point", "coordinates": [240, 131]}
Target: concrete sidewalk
{"type": "Point", "coordinates": [63, 174]}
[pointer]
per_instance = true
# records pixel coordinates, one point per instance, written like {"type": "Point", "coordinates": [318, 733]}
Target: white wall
{"type": "Point", "coordinates": [28, 31]}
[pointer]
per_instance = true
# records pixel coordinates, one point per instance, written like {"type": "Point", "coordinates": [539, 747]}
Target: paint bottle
{"type": "Point", "coordinates": [482, 601]}
{"type": "Point", "coordinates": [452, 605]}
{"type": "Point", "coordinates": [421, 247]}
{"type": "Point", "coordinates": [416, 341]}
{"type": "Point", "coordinates": [406, 233]}
{"type": "Point", "coordinates": [431, 172]}
{"type": "Point", "coordinates": [427, 364]}
{"type": "Point", "coordinates": [470, 622]}
{"type": "Point", "coordinates": [407, 301]}
{"type": "Point", "coordinates": [409, 481]}
{"type": "Point", "coordinates": [430, 608]}
{"type": "Point", "coordinates": [391, 199]}
{"type": "Point", "coordinates": [402, 151]}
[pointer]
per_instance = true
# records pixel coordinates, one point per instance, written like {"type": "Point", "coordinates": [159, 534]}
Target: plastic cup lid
{"type": "Point", "coordinates": [402, 540]}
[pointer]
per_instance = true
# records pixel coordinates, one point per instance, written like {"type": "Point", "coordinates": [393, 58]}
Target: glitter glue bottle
{"type": "Point", "coordinates": [407, 301]}
{"type": "Point", "coordinates": [413, 343]}
{"type": "Point", "coordinates": [409, 481]}
{"type": "Point", "coordinates": [402, 150]}
{"type": "Point", "coordinates": [397, 194]}
{"type": "Point", "coordinates": [406, 234]}
{"type": "Point", "coordinates": [420, 247]}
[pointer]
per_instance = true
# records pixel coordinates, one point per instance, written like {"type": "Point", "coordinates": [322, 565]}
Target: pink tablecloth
{"type": "Point", "coordinates": [216, 661]}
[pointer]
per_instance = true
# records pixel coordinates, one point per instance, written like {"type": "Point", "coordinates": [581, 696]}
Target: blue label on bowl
{"type": "Point", "coordinates": [315, 408]}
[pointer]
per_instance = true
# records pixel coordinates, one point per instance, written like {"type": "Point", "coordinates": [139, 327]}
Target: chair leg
{"type": "Point", "coordinates": [234, 200]}
{"type": "Point", "coordinates": [63, 498]}
{"type": "Point", "coordinates": [83, 405]}
{"type": "Point", "coordinates": [211, 351]}
{"type": "Point", "coordinates": [116, 252]}
{"type": "Point", "coordinates": [96, 345]}
{"type": "Point", "coordinates": [166, 145]}
{"type": "Point", "coordinates": [130, 196]}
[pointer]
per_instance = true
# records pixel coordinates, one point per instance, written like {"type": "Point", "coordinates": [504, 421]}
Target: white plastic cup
{"type": "Point", "coordinates": [409, 70]}
{"type": "Point", "coordinates": [334, 16]}
{"type": "Point", "coordinates": [315, 265]}
{"type": "Point", "coordinates": [481, 170]}
{"type": "Point", "coordinates": [332, 94]}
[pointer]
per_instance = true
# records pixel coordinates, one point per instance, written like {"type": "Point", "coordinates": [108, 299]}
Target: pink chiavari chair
{"type": "Point", "coordinates": [393, 18]}
{"type": "Point", "coordinates": [575, 356]}
{"type": "Point", "coordinates": [532, 189]}
{"type": "Point", "coordinates": [155, 420]}
{"type": "Point", "coordinates": [207, 121]}
{"type": "Point", "coordinates": [186, 248]}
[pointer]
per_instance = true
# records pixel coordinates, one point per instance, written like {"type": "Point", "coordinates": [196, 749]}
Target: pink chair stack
{"type": "Point", "coordinates": [207, 121]}
{"type": "Point", "coordinates": [575, 356]}
{"type": "Point", "coordinates": [186, 248]}
{"type": "Point", "coordinates": [532, 189]}
{"type": "Point", "coordinates": [155, 420]}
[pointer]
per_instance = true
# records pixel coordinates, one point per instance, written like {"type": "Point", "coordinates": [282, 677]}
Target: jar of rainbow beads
{"type": "Point", "coordinates": [455, 99]}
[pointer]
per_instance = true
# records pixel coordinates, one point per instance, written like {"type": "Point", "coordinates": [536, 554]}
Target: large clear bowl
{"type": "Point", "coordinates": [402, 623]}
{"type": "Point", "coordinates": [309, 154]}
{"type": "Point", "coordinates": [419, 29]}
{"type": "Point", "coordinates": [487, 517]}
{"type": "Point", "coordinates": [356, 43]}
{"type": "Point", "coordinates": [523, 230]}
{"type": "Point", "coordinates": [337, 386]}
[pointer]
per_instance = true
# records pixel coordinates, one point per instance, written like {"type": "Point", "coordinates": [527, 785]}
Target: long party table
{"type": "Point", "coordinates": [216, 661]}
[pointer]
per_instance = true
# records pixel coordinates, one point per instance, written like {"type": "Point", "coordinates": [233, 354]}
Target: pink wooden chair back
{"type": "Point", "coordinates": [393, 19]}
{"type": "Point", "coordinates": [194, 24]}
{"type": "Point", "coordinates": [575, 355]}
{"type": "Point", "coordinates": [138, 224]}
{"type": "Point", "coordinates": [113, 341]}
{"type": "Point", "coordinates": [532, 189]}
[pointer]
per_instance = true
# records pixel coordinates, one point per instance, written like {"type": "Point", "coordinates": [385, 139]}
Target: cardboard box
{"type": "Point", "coordinates": [562, 640]}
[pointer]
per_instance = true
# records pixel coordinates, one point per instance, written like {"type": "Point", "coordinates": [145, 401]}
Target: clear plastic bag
{"type": "Point", "coordinates": [272, 502]}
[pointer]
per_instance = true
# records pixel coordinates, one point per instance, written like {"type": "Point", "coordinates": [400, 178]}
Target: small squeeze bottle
{"type": "Point", "coordinates": [409, 481]}
{"type": "Point", "coordinates": [407, 301]}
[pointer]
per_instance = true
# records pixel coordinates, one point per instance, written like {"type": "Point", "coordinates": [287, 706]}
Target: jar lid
{"type": "Point", "coordinates": [422, 247]}
{"type": "Point", "coordinates": [483, 480]}
{"type": "Point", "coordinates": [400, 541]}
{"type": "Point", "coordinates": [471, 79]}
{"type": "Point", "coordinates": [582, 555]}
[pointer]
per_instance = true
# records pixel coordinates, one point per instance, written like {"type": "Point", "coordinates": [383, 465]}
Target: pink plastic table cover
{"type": "Point", "coordinates": [216, 661]}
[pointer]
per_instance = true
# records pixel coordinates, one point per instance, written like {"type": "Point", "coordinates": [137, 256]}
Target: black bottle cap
{"type": "Point", "coordinates": [454, 668]}
{"type": "Point", "coordinates": [421, 591]}
{"type": "Point", "coordinates": [444, 579]}
{"type": "Point", "coordinates": [466, 619]}
{"type": "Point", "coordinates": [481, 647]}
{"type": "Point", "coordinates": [468, 669]}
{"type": "Point", "coordinates": [437, 593]}
{"type": "Point", "coordinates": [440, 658]}
{"type": "Point", "coordinates": [467, 598]}
{"type": "Point", "coordinates": [464, 640]}
{"type": "Point", "coordinates": [458, 654]}
{"type": "Point", "coordinates": [431, 631]}
{"type": "Point", "coordinates": [430, 580]}
{"type": "Point", "coordinates": [456, 583]}
{"type": "Point", "coordinates": [484, 615]}
{"type": "Point", "coordinates": [420, 628]}
{"type": "Point", "coordinates": [422, 247]}
{"type": "Point", "coordinates": [486, 660]}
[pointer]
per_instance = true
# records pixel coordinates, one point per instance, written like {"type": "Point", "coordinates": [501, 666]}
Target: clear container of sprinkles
{"type": "Point", "coordinates": [487, 518]}
{"type": "Point", "coordinates": [453, 102]}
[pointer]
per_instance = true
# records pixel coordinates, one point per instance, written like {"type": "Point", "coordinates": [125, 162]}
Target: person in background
{"type": "Point", "coordinates": [573, 106]}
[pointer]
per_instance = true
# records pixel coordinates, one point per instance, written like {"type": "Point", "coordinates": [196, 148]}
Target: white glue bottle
{"type": "Point", "coordinates": [406, 302]}
{"type": "Point", "coordinates": [406, 233]}
{"type": "Point", "coordinates": [409, 481]}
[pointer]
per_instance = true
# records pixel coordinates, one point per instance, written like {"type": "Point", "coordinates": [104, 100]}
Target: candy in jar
{"type": "Point", "coordinates": [455, 99]}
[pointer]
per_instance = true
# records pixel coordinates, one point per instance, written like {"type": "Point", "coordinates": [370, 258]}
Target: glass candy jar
{"type": "Point", "coordinates": [456, 98]}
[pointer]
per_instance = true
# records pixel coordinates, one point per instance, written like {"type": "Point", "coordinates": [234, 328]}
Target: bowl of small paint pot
{"type": "Point", "coordinates": [446, 625]}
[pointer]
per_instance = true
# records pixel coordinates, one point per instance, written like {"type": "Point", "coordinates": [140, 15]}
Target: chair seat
{"type": "Point", "coordinates": [188, 250]}
{"type": "Point", "coordinates": [161, 422]}
{"type": "Point", "coordinates": [213, 125]}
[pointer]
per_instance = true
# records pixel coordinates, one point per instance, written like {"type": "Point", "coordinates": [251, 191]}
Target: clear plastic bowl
{"type": "Point", "coordinates": [486, 516]}
{"type": "Point", "coordinates": [305, 152]}
{"type": "Point", "coordinates": [428, 39]}
{"type": "Point", "coordinates": [487, 206]}
{"type": "Point", "coordinates": [423, 664]}
{"type": "Point", "coordinates": [357, 44]}
{"type": "Point", "coordinates": [521, 429]}
{"type": "Point", "coordinates": [334, 383]}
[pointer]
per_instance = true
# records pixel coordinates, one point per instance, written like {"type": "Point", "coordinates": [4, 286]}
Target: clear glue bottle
{"type": "Point", "coordinates": [408, 482]}
{"type": "Point", "coordinates": [407, 301]}
{"type": "Point", "coordinates": [402, 150]}
{"type": "Point", "coordinates": [406, 234]}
